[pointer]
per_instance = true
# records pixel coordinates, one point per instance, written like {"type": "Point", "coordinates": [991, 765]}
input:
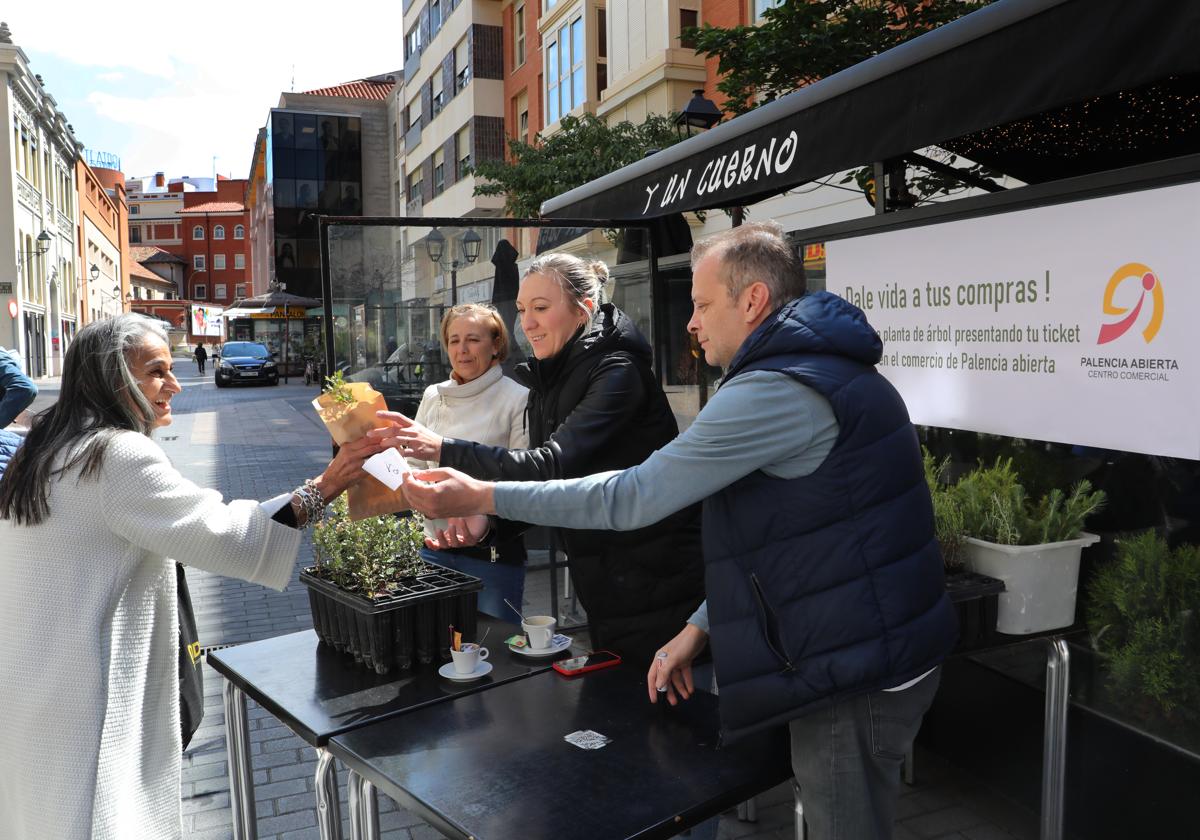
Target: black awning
{"type": "Point", "coordinates": [1021, 64]}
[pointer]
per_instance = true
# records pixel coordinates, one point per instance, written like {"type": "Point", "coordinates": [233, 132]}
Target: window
{"type": "Point", "coordinates": [412, 42]}
{"type": "Point", "coordinates": [239, 261]}
{"type": "Point", "coordinates": [218, 262]}
{"type": "Point", "coordinates": [439, 93]}
{"type": "Point", "coordinates": [239, 291]}
{"type": "Point", "coordinates": [564, 71]}
{"type": "Point", "coordinates": [135, 234]}
{"type": "Point", "coordinates": [414, 185]}
{"type": "Point", "coordinates": [198, 232]}
{"type": "Point", "coordinates": [414, 112]}
{"type": "Point", "coordinates": [239, 232]}
{"type": "Point", "coordinates": [198, 262]}
{"type": "Point", "coordinates": [601, 51]}
{"type": "Point", "coordinates": [521, 110]}
{"type": "Point", "coordinates": [435, 16]}
{"type": "Point", "coordinates": [439, 172]}
{"type": "Point", "coordinates": [201, 292]}
{"type": "Point", "coordinates": [761, 6]}
{"type": "Point", "coordinates": [462, 150]}
{"type": "Point", "coordinates": [219, 291]}
{"type": "Point", "coordinates": [519, 36]}
{"type": "Point", "coordinates": [219, 232]}
{"type": "Point", "coordinates": [462, 65]}
{"type": "Point", "coordinates": [134, 209]}
{"type": "Point", "coordinates": [688, 18]}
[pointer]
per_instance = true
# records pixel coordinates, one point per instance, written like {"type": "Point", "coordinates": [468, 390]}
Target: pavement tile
{"type": "Point", "coordinates": [945, 821]}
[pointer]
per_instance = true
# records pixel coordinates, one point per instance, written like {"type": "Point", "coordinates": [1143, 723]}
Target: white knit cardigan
{"type": "Point", "coordinates": [89, 687]}
{"type": "Point", "coordinates": [489, 409]}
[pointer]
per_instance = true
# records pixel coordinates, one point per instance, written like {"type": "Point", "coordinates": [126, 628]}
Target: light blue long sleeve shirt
{"type": "Point", "coordinates": [763, 420]}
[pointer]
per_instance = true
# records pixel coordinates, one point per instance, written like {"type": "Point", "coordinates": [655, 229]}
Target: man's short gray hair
{"type": "Point", "coordinates": [755, 252]}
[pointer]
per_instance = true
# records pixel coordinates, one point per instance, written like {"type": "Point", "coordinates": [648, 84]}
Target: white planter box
{"type": "Point", "coordinates": [1039, 581]}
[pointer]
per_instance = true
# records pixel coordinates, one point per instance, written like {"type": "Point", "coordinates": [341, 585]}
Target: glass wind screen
{"type": "Point", "coordinates": [392, 285]}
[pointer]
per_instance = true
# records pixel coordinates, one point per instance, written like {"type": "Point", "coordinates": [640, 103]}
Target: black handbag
{"type": "Point", "coordinates": [191, 677]}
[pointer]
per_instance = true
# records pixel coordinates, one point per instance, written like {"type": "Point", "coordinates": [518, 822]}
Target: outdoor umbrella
{"type": "Point", "coordinates": [268, 301]}
{"type": "Point", "coordinates": [504, 294]}
{"type": "Point", "coordinates": [273, 298]}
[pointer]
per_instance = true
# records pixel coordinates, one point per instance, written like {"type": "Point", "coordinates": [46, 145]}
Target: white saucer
{"type": "Point", "coordinates": [482, 670]}
{"type": "Point", "coordinates": [557, 645]}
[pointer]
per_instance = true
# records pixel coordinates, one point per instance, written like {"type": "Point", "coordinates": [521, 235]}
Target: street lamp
{"type": "Point", "coordinates": [435, 247]}
{"type": "Point", "coordinates": [699, 114]}
{"type": "Point", "coordinates": [95, 272]}
{"type": "Point", "coordinates": [42, 246]}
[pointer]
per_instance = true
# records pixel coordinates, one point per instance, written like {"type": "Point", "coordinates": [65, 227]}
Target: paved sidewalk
{"type": "Point", "coordinates": [261, 441]}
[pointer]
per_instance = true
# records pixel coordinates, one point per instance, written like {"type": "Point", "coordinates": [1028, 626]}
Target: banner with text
{"type": "Point", "coordinates": [1073, 323]}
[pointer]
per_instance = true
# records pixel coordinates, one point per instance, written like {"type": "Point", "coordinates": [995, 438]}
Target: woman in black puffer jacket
{"type": "Point", "coordinates": [594, 405]}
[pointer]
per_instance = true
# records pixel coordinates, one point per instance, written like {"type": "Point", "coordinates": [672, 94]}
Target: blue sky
{"type": "Point", "coordinates": [168, 90]}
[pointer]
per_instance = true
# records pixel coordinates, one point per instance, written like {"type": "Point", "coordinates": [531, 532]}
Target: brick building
{"type": "Point", "coordinates": [215, 244]}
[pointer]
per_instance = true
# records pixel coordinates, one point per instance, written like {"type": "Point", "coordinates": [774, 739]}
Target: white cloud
{"type": "Point", "coordinates": [185, 83]}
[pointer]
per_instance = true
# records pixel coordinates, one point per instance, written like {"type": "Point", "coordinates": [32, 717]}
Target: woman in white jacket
{"type": "Point", "coordinates": [90, 512]}
{"type": "Point", "coordinates": [478, 402]}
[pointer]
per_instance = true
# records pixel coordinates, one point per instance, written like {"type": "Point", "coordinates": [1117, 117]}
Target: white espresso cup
{"type": "Point", "coordinates": [468, 658]}
{"type": "Point", "coordinates": [540, 630]}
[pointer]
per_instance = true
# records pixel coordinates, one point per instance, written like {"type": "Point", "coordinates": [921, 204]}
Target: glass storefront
{"type": "Point", "coordinates": [314, 167]}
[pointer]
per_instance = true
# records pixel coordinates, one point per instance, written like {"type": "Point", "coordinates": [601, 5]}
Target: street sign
{"type": "Point", "coordinates": [6, 288]}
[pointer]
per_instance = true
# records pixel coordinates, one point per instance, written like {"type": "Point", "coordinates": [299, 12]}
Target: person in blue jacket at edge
{"type": "Point", "coordinates": [17, 393]}
{"type": "Point", "coordinates": [826, 606]}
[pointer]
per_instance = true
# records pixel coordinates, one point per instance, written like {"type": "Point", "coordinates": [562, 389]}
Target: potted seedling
{"type": "Point", "coordinates": [373, 596]}
{"type": "Point", "coordinates": [1033, 546]}
{"type": "Point", "coordinates": [975, 596]}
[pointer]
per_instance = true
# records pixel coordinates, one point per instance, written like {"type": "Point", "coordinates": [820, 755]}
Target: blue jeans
{"type": "Point", "coordinates": [847, 760]}
{"type": "Point", "coordinates": [500, 581]}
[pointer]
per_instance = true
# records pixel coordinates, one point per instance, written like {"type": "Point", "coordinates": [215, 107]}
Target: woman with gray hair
{"type": "Point", "coordinates": [594, 405]}
{"type": "Point", "coordinates": [90, 512]}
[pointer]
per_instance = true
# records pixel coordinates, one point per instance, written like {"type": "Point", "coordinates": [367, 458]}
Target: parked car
{"type": "Point", "coordinates": [246, 361]}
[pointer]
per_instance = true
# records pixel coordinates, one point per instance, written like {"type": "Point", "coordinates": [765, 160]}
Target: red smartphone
{"type": "Point", "coordinates": [582, 664]}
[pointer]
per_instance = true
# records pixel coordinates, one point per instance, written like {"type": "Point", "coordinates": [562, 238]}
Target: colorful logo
{"type": "Point", "coordinates": [1150, 284]}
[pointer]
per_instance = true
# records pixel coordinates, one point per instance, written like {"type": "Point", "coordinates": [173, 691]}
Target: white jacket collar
{"type": "Point", "coordinates": [452, 390]}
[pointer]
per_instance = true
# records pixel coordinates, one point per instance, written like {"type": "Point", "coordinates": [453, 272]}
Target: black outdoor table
{"type": "Point", "coordinates": [318, 692]}
{"type": "Point", "coordinates": [494, 764]}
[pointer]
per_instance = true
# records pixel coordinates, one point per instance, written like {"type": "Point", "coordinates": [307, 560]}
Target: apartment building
{"type": "Point", "coordinates": [39, 266]}
{"type": "Point", "coordinates": [448, 115]}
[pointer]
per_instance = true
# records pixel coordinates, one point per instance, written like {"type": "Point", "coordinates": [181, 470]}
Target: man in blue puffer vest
{"type": "Point", "coordinates": [17, 392]}
{"type": "Point", "coordinates": [826, 606]}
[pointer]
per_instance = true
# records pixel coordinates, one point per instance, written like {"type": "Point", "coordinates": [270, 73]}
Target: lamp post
{"type": "Point", "coordinates": [282, 287]}
{"type": "Point", "coordinates": [699, 114]}
{"type": "Point", "coordinates": [42, 246]}
{"type": "Point", "coordinates": [435, 247]}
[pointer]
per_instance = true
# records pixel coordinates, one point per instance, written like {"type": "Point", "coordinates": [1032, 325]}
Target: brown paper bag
{"type": "Point", "coordinates": [349, 422]}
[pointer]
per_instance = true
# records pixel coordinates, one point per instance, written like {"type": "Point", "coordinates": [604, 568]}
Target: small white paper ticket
{"type": "Point", "coordinates": [587, 739]}
{"type": "Point", "coordinates": [388, 466]}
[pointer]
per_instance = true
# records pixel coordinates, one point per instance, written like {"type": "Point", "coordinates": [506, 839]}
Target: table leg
{"type": "Point", "coordinates": [241, 774]}
{"type": "Point", "coordinates": [801, 831]}
{"type": "Point", "coordinates": [748, 811]}
{"type": "Point", "coordinates": [1054, 753]}
{"type": "Point", "coordinates": [364, 808]}
{"type": "Point", "coordinates": [329, 812]}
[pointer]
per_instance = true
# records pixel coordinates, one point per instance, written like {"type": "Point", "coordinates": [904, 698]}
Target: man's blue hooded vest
{"type": "Point", "coordinates": [828, 586]}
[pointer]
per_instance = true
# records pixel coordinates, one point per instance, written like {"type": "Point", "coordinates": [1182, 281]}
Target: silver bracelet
{"type": "Point", "coordinates": [312, 503]}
